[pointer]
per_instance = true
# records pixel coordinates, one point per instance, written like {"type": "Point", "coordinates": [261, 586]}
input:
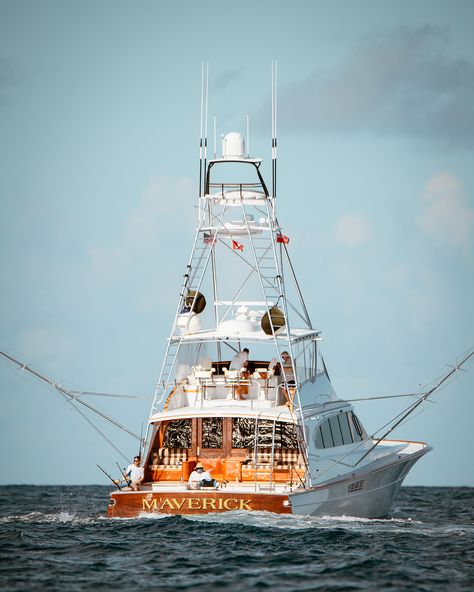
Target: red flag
{"type": "Point", "coordinates": [281, 238]}
{"type": "Point", "coordinates": [237, 246]}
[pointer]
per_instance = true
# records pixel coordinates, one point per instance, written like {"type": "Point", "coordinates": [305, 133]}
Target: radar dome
{"type": "Point", "coordinates": [233, 145]}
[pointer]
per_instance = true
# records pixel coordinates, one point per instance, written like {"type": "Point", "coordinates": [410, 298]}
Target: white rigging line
{"type": "Point", "coordinates": [382, 397]}
{"type": "Point", "coordinates": [409, 410]}
{"type": "Point", "coordinates": [400, 417]}
{"type": "Point", "coordinates": [114, 395]}
{"type": "Point", "coordinates": [69, 395]}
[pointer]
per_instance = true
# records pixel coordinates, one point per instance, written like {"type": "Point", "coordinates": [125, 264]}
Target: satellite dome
{"type": "Point", "coordinates": [233, 145]}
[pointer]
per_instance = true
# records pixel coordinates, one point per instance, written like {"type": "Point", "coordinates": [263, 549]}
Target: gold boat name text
{"type": "Point", "coordinates": [196, 503]}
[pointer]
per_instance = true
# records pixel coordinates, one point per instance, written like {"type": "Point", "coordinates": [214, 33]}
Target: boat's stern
{"type": "Point", "coordinates": [180, 500]}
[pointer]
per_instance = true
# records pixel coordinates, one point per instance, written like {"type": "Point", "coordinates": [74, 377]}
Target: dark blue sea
{"type": "Point", "coordinates": [58, 538]}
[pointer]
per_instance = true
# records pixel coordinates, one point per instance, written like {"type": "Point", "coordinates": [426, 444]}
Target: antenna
{"type": "Point", "coordinates": [200, 137]}
{"type": "Point", "coordinates": [206, 95]}
{"type": "Point", "coordinates": [248, 136]}
{"type": "Point", "coordinates": [215, 137]}
{"type": "Point", "coordinates": [274, 125]}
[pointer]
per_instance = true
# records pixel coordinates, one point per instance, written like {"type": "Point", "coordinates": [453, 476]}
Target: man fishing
{"type": "Point", "coordinates": [135, 474]}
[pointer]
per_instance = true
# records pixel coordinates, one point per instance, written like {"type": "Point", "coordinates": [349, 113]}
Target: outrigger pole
{"type": "Point", "coordinates": [414, 405]}
{"type": "Point", "coordinates": [69, 396]}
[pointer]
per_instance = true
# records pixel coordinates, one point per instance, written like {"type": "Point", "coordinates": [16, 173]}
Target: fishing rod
{"type": "Point", "coordinates": [416, 404]}
{"type": "Point", "coordinates": [68, 394]}
{"type": "Point", "coordinates": [141, 441]}
{"type": "Point", "coordinates": [122, 472]}
{"type": "Point", "coordinates": [114, 481]}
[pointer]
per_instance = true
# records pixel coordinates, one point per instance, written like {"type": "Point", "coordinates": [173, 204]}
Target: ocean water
{"type": "Point", "coordinates": [57, 538]}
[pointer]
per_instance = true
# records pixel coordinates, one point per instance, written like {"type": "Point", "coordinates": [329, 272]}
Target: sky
{"type": "Point", "coordinates": [99, 136]}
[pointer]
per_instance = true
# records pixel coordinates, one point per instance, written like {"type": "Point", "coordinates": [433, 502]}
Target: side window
{"type": "Point", "coordinates": [326, 434]}
{"type": "Point", "coordinates": [335, 430]}
{"type": "Point", "coordinates": [318, 438]}
{"type": "Point", "coordinates": [357, 431]}
{"type": "Point", "coordinates": [338, 430]}
{"type": "Point", "coordinates": [345, 428]}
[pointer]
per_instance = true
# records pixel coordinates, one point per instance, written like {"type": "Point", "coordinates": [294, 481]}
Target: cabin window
{"type": "Point", "coordinates": [339, 430]}
{"type": "Point", "coordinates": [212, 432]}
{"type": "Point", "coordinates": [345, 428]}
{"type": "Point", "coordinates": [328, 442]}
{"type": "Point", "coordinates": [281, 433]}
{"type": "Point", "coordinates": [358, 432]}
{"type": "Point", "coordinates": [336, 430]}
{"type": "Point", "coordinates": [177, 434]}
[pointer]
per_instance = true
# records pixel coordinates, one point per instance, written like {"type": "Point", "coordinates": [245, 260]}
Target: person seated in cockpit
{"type": "Point", "coordinates": [240, 360]}
{"type": "Point", "coordinates": [201, 478]}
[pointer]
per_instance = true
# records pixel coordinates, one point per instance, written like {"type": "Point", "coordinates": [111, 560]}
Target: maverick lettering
{"type": "Point", "coordinates": [196, 503]}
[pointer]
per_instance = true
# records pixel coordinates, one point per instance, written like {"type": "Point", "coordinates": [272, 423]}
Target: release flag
{"type": "Point", "coordinates": [237, 246]}
{"type": "Point", "coordinates": [281, 238]}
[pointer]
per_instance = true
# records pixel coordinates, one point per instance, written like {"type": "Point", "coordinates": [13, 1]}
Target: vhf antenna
{"type": "Point", "coordinates": [203, 138]}
{"type": "Point", "coordinates": [248, 136]}
{"type": "Point", "coordinates": [215, 137]}
{"type": "Point", "coordinates": [274, 126]}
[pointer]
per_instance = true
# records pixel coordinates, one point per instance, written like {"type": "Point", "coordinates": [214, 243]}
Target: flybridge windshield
{"type": "Point", "coordinates": [199, 355]}
{"type": "Point", "coordinates": [306, 361]}
{"type": "Point", "coordinates": [192, 355]}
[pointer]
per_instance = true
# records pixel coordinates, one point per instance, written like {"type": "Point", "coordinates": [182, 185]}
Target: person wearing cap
{"type": "Point", "coordinates": [201, 478]}
{"type": "Point", "coordinates": [135, 474]}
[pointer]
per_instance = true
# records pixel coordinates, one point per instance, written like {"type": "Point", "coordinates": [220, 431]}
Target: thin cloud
{"type": "Point", "coordinates": [224, 78]}
{"type": "Point", "coordinates": [46, 343]}
{"type": "Point", "coordinates": [353, 230]}
{"type": "Point", "coordinates": [146, 229]}
{"type": "Point", "coordinates": [401, 83]}
{"type": "Point", "coordinates": [446, 217]}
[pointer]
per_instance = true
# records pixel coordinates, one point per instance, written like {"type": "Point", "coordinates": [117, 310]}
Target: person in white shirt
{"type": "Point", "coordinates": [240, 360]}
{"type": "Point", "coordinates": [201, 478]}
{"type": "Point", "coordinates": [135, 474]}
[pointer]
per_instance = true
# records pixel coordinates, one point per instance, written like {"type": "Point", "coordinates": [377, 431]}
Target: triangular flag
{"type": "Point", "coordinates": [237, 246]}
{"type": "Point", "coordinates": [281, 238]}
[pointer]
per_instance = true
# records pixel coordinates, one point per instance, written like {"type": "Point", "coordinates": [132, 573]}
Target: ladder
{"type": "Point", "coordinates": [193, 277]}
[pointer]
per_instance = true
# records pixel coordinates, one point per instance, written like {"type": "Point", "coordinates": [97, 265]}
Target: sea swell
{"type": "Point", "coordinates": [59, 538]}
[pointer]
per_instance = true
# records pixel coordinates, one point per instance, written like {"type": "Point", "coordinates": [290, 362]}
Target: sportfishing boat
{"type": "Point", "coordinates": [244, 391]}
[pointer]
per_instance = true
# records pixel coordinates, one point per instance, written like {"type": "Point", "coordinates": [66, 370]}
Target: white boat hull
{"type": "Point", "coordinates": [369, 493]}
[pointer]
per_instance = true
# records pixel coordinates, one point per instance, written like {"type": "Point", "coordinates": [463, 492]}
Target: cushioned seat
{"type": "Point", "coordinates": [172, 457]}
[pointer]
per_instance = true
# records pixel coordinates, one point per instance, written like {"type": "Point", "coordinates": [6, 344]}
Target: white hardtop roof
{"type": "Point", "coordinates": [280, 413]}
{"type": "Point", "coordinates": [235, 159]}
{"type": "Point", "coordinates": [253, 336]}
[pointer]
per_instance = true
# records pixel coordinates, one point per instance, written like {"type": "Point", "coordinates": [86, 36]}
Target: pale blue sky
{"type": "Point", "coordinates": [99, 130]}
